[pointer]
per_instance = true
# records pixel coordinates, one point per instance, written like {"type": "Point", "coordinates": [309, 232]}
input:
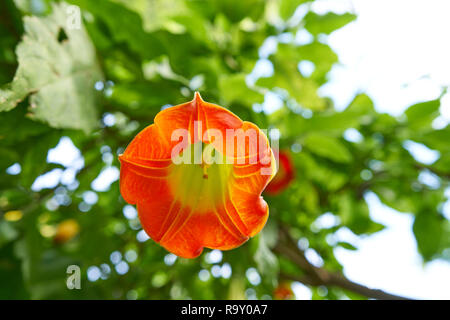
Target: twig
{"type": "Point", "coordinates": [315, 276]}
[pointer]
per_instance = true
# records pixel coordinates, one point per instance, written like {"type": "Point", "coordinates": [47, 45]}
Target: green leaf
{"type": "Point", "coordinates": [11, 277]}
{"type": "Point", "coordinates": [233, 10]}
{"type": "Point", "coordinates": [59, 76]}
{"type": "Point", "coordinates": [327, 176]}
{"type": "Point", "coordinates": [125, 26]}
{"type": "Point", "coordinates": [33, 161]}
{"type": "Point", "coordinates": [288, 7]}
{"type": "Point", "coordinates": [43, 269]}
{"type": "Point", "coordinates": [7, 157]}
{"type": "Point", "coordinates": [287, 76]}
{"type": "Point", "coordinates": [421, 115]}
{"type": "Point", "coordinates": [429, 232]}
{"type": "Point", "coordinates": [158, 14]}
{"type": "Point", "coordinates": [144, 97]}
{"type": "Point", "coordinates": [11, 199]}
{"type": "Point", "coordinates": [233, 88]}
{"type": "Point", "coordinates": [436, 139]}
{"type": "Point", "coordinates": [326, 23]}
{"type": "Point", "coordinates": [394, 194]}
{"type": "Point", "coordinates": [265, 259]}
{"type": "Point", "coordinates": [236, 10]}
{"type": "Point", "coordinates": [309, 196]}
{"type": "Point", "coordinates": [333, 123]}
{"type": "Point", "coordinates": [328, 147]}
{"type": "Point", "coordinates": [321, 55]}
{"type": "Point", "coordinates": [16, 127]}
{"type": "Point", "coordinates": [7, 232]}
{"type": "Point", "coordinates": [346, 245]}
{"type": "Point", "coordinates": [354, 213]}
{"type": "Point", "coordinates": [361, 104]}
{"type": "Point", "coordinates": [442, 165]}
{"type": "Point", "coordinates": [33, 7]}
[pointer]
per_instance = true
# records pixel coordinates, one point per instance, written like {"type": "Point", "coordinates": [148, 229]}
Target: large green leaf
{"type": "Point", "coordinates": [57, 74]}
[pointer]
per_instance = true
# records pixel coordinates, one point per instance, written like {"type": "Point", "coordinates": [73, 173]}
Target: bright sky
{"type": "Point", "coordinates": [397, 52]}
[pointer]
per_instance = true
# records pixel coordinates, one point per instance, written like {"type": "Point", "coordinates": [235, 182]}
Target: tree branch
{"type": "Point", "coordinates": [315, 276]}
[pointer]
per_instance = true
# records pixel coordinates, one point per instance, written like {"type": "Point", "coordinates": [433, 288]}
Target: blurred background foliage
{"type": "Point", "coordinates": [96, 87]}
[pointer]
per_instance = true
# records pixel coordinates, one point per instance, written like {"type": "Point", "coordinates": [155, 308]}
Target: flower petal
{"type": "Point", "coordinates": [180, 206]}
{"type": "Point", "coordinates": [284, 176]}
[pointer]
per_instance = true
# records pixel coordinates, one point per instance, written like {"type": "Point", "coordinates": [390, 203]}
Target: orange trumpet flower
{"type": "Point", "coordinates": [284, 176]}
{"type": "Point", "coordinates": [189, 199]}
